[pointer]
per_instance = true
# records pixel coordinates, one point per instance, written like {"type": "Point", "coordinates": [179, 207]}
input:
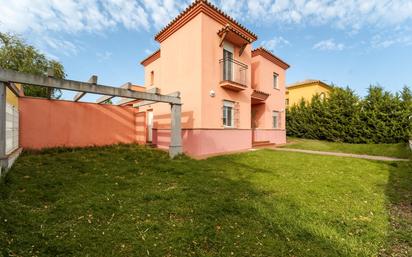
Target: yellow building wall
{"type": "Point", "coordinates": [295, 94]}
{"type": "Point", "coordinates": [12, 98]}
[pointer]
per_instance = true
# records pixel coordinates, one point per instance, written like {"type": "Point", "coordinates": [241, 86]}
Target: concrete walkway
{"type": "Point", "coordinates": [359, 156]}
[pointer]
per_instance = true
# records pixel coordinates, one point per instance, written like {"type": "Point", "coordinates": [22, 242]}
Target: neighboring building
{"type": "Point", "coordinates": [306, 90]}
{"type": "Point", "coordinates": [231, 94]}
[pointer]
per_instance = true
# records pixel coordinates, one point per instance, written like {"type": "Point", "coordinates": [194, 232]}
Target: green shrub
{"type": "Point", "coordinates": [380, 117]}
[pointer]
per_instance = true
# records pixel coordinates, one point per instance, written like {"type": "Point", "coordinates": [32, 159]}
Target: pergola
{"type": "Point", "coordinates": [8, 78]}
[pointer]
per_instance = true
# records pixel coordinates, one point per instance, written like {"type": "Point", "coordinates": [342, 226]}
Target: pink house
{"type": "Point", "coordinates": [233, 97]}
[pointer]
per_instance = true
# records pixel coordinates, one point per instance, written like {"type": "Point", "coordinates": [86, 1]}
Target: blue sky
{"type": "Point", "coordinates": [351, 43]}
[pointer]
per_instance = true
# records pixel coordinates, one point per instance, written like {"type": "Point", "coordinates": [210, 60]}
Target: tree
{"type": "Point", "coordinates": [379, 117]}
{"type": "Point", "coordinates": [16, 55]}
{"type": "Point", "coordinates": [406, 97]}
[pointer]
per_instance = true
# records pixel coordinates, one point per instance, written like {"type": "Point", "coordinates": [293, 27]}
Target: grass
{"type": "Point", "coordinates": [128, 200]}
{"type": "Point", "coordinates": [400, 150]}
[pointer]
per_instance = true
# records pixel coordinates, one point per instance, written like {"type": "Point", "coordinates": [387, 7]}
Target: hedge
{"type": "Point", "coordinates": [380, 117]}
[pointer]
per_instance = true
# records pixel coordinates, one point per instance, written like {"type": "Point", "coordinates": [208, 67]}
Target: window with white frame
{"type": "Point", "coordinates": [228, 114]}
{"type": "Point", "coordinates": [322, 96]}
{"type": "Point", "coordinates": [275, 80]}
{"type": "Point", "coordinates": [276, 119]}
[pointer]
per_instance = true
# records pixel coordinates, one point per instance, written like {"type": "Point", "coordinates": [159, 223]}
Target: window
{"type": "Point", "coordinates": [276, 119]}
{"type": "Point", "coordinates": [228, 114]}
{"type": "Point", "coordinates": [287, 101]}
{"type": "Point", "coordinates": [152, 78]}
{"type": "Point", "coordinates": [275, 81]}
{"type": "Point", "coordinates": [322, 96]}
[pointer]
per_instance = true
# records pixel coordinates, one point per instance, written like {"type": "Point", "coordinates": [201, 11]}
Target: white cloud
{"type": "Point", "coordinates": [104, 56]}
{"type": "Point", "coordinates": [63, 46]}
{"type": "Point", "coordinates": [329, 45]}
{"type": "Point", "coordinates": [96, 15]}
{"type": "Point", "coordinates": [350, 14]}
{"type": "Point", "coordinates": [162, 11]}
{"type": "Point", "coordinates": [384, 41]}
{"type": "Point", "coordinates": [275, 43]}
{"type": "Point", "coordinates": [71, 16]}
{"type": "Point", "coordinates": [54, 21]}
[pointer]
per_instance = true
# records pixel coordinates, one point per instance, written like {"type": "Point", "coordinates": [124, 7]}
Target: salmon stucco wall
{"type": "Point", "coordinates": [179, 69]}
{"type": "Point", "coordinates": [53, 123]}
{"type": "Point", "coordinates": [211, 75]}
{"type": "Point", "coordinates": [263, 70]}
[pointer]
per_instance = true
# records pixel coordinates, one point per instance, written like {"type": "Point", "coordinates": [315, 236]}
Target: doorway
{"type": "Point", "coordinates": [149, 126]}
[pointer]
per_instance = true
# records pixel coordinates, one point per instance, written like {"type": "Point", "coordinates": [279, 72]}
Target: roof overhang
{"type": "Point", "coordinates": [201, 6]}
{"type": "Point", "coordinates": [271, 57]}
{"type": "Point", "coordinates": [259, 96]}
{"type": "Point", "coordinates": [234, 36]}
{"type": "Point", "coordinates": [151, 58]}
{"type": "Point", "coordinates": [309, 83]}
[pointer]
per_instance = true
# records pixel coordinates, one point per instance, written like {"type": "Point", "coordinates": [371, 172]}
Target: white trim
{"type": "Point", "coordinates": [277, 119]}
{"type": "Point", "coordinates": [275, 80]}
{"type": "Point", "coordinates": [230, 104]}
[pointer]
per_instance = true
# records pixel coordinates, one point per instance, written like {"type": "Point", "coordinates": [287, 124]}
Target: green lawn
{"type": "Point", "coordinates": [132, 201]}
{"type": "Point", "coordinates": [400, 150]}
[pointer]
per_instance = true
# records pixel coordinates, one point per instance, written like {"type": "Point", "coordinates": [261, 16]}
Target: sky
{"type": "Point", "coordinates": [353, 43]}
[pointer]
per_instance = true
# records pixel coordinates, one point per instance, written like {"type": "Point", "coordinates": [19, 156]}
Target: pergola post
{"type": "Point", "coordinates": [3, 159]}
{"type": "Point", "coordinates": [175, 147]}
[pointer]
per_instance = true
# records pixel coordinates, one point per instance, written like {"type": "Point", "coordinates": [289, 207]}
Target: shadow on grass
{"type": "Point", "coordinates": [133, 201]}
{"type": "Point", "coordinates": [399, 195]}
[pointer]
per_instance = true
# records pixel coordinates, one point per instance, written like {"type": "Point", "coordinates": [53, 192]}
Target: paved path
{"type": "Point", "coordinates": [360, 156]}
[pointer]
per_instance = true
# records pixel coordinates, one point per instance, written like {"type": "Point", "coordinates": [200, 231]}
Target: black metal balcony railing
{"type": "Point", "coordinates": [234, 71]}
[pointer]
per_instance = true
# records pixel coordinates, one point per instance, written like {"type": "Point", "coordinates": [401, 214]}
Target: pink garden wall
{"type": "Point", "coordinates": [200, 142]}
{"type": "Point", "coordinates": [53, 123]}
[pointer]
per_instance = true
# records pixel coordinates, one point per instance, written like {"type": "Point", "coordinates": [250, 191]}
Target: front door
{"type": "Point", "coordinates": [149, 126]}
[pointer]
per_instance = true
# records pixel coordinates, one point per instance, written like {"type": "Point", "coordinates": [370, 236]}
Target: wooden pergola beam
{"type": "Point", "coordinates": [125, 101]}
{"type": "Point", "coordinates": [9, 76]}
{"type": "Point", "coordinates": [144, 103]}
{"type": "Point", "coordinates": [13, 88]}
{"type": "Point", "coordinates": [105, 98]}
{"type": "Point", "coordinates": [45, 81]}
{"type": "Point", "coordinates": [79, 95]}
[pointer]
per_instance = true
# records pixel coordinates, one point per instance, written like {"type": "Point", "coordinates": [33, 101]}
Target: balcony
{"type": "Point", "coordinates": [233, 74]}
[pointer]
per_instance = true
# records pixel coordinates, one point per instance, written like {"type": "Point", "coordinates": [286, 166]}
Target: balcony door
{"type": "Point", "coordinates": [227, 61]}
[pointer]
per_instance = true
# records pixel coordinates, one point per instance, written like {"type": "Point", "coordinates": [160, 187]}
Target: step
{"type": "Point", "coordinates": [262, 143]}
